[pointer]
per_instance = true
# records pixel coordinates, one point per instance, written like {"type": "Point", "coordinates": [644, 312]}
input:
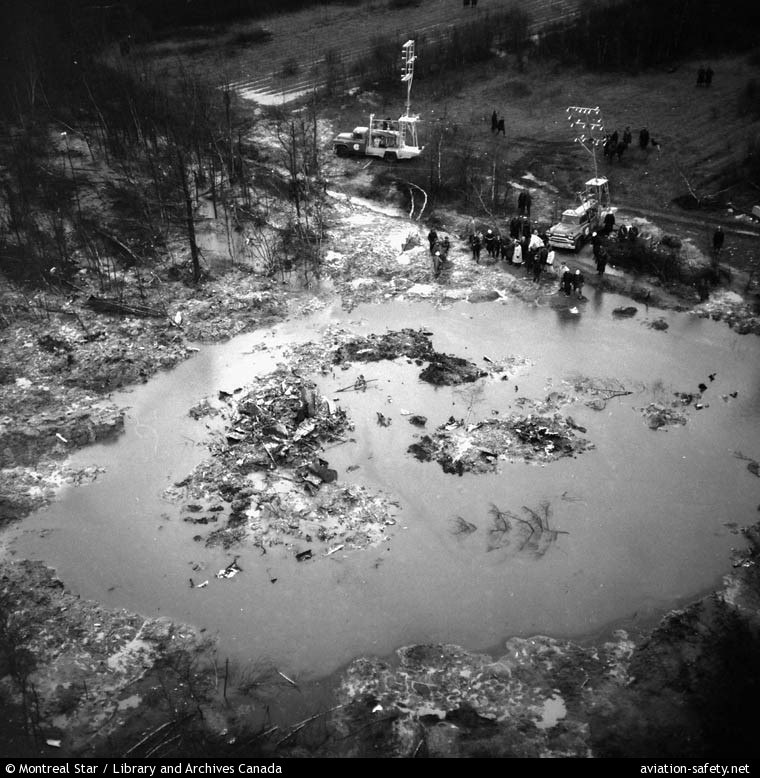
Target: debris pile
{"type": "Point", "coordinates": [268, 469]}
{"type": "Point", "coordinates": [460, 447]}
{"type": "Point", "coordinates": [413, 344]}
{"type": "Point", "coordinates": [282, 421]}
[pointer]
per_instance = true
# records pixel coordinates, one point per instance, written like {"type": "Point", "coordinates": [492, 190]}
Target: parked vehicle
{"type": "Point", "coordinates": [577, 224]}
{"type": "Point", "coordinates": [387, 139]}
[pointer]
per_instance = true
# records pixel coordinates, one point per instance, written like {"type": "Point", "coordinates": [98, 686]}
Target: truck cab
{"type": "Point", "coordinates": [388, 139]}
{"type": "Point", "coordinates": [577, 224]}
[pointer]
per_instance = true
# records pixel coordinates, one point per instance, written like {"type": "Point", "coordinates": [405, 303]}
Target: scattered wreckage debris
{"type": "Point", "coordinates": [266, 467]}
{"type": "Point", "coordinates": [658, 324]}
{"type": "Point", "coordinates": [460, 447]}
{"type": "Point", "coordinates": [232, 569]}
{"type": "Point", "coordinates": [282, 422]}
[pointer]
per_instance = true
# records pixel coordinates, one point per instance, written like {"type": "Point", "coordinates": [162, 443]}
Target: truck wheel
{"type": "Point", "coordinates": [390, 157]}
{"type": "Point", "coordinates": [577, 244]}
{"type": "Point", "coordinates": [341, 151]}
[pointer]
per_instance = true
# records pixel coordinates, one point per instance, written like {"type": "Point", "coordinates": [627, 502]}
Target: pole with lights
{"type": "Point", "coordinates": [588, 127]}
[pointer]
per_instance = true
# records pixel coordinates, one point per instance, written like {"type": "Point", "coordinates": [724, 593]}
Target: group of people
{"type": "Point", "coordinates": [705, 76]}
{"type": "Point", "coordinates": [521, 248]}
{"type": "Point", "coordinates": [614, 145]}
{"type": "Point", "coordinates": [571, 282]}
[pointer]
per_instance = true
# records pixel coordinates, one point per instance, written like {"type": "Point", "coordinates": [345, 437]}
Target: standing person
{"type": "Point", "coordinates": [644, 138]}
{"type": "Point", "coordinates": [494, 122]}
{"type": "Point", "coordinates": [540, 263]}
{"type": "Point", "coordinates": [627, 137]}
{"type": "Point", "coordinates": [500, 128]}
{"type": "Point", "coordinates": [517, 253]}
{"type": "Point", "coordinates": [432, 239]}
{"type": "Point", "coordinates": [534, 246]}
{"type": "Point", "coordinates": [577, 281]}
{"type": "Point", "coordinates": [521, 203]}
{"type": "Point", "coordinates": [507, 250]}
{"type": "Point", "coordinates": [528, 201]}
{"type": "Point", "coordinates": [514, 227]}
{"type": "Point", "coordinates": [490, 239]}
{"type": "Point", "coordinates": [709, 76]}
{"type": "Point", "coordinates": [596, 243]}
{"type": "Point", "coordinates": [437, 262]}
{"type": "Point", "coordinates": [718, 240]}
{"type": "Point", "coordinates": [566, 280]}
{"type": "Point", "coordinates": [476, 244]}
{"type": "Point", "coordinates": [601, 261]}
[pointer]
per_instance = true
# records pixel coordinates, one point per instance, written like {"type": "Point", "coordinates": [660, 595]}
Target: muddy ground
{"type": "Point", "coordinates": [94, 682]}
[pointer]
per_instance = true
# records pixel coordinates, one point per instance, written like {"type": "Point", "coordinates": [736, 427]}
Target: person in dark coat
{"type": "Point", "coordinates": [500, 128]}
{"type": "Point", "coordinates": [644, 138]}
{"type": "Point", "coordinates": [489, 241]}
{"type": "Point", "coordinates": [476, 244]}
{"type": "Point", "coordinates": [432, 239]}
{"type": "Point", "coordinates": [494, 122]}
{"type": "Point", "coordinates": [567, 281]}
{"type": "Point", "coordinates": [539, 264]}
{"type": "Point", "coordinates": [718, 239]}
{"type": "Point", "coordinates": [515, 227]}
{"type": "Point", "coordinates": [521, 203]}
{"type": "Point", "coordinates": [627, 137]}
{"type": "Point", "coordinates": [528, 202]}
{"type": "Point", "coordinates": [609, 223]}
{"type": "Point", "coordinates": [596, 243]}
{"type": "Point", "coordinates": [601, 261]}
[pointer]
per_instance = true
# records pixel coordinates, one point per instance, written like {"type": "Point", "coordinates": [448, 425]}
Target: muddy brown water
{"type": "Point", "coordinates": [646, 517]}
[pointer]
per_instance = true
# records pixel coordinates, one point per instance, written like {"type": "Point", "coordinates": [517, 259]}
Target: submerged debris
{"type": "Point", "coordinates": [658, 415]}
{"type": "Point", "coordinates": [752, 465]}
{"type": "Point", "coordinates": [530, 533]}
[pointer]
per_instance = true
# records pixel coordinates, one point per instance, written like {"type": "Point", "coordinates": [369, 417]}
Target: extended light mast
{"type": "Point", "coordinates": [587, 122]}
{"type": "Point", "coordinates": [407, 70]}
{"type": "Point", "coordinates": [408, 122]}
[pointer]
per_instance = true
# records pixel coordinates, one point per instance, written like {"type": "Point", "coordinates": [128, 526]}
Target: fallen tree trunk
{"type": "Point", "coordinates": [109, 305]}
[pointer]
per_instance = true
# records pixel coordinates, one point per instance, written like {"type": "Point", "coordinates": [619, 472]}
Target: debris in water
{"type": "Point", "coordinates": [302, 555]}
{"type": "Point", "coordinates": [232, 569]}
